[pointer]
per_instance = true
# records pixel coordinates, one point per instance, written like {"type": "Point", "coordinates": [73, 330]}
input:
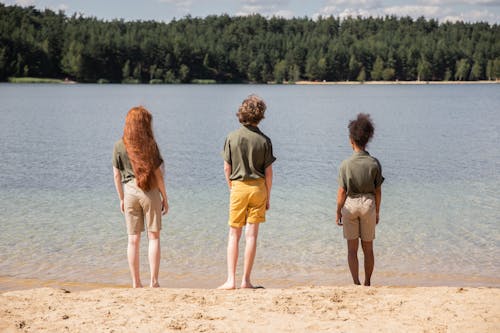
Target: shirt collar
{"type": "Point", "coordinates": [252, 128]}
{"type": "Point", "coordinates": [361, 153]}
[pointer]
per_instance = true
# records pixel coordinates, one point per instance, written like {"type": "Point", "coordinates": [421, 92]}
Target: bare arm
{"type": "Point", "coordinates": [269, 184]}
{"type": "Point", "coordinates": [161, 187]}
{"type": "Point", "coordinates": [341, 196]}
{"type": "Point", "coordinates": [227, 172]}
{"type": "Point", "coordinates": [378, 200]}
{"type": "Point", "coordinates": [119, 187]}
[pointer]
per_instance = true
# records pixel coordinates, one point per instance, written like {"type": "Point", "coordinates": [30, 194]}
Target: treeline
{"type": "Point", "coordinates": [36, 43]}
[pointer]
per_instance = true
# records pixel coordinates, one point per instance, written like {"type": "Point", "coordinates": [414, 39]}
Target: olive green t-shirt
{"type": "Point", "coordinates": [122, 162]}
{"type": "Point", "coordinates": [360, 174]}
{"type": "Point", "coordinates": [249, 152]}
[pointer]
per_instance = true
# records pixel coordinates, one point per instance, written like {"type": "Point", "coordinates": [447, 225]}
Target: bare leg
{"type": "Point", "coordinates": [133, 259]}
{"type": "Point", "coordinates": [154, 254]}
{"type": "Point", "coordinates": [232, 257]}
{"type": "Point", "coordinates": [251, 233]}
{"type": "Point", "coordinates": [369, 260]}
{"type": "Point", "coordinates": [352, 258]}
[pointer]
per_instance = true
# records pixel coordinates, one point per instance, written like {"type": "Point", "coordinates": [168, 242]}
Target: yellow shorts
{"type": "Point", "coordinates": [247, 202]}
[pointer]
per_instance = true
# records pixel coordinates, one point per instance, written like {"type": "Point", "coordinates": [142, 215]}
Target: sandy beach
{"type": "Point", "coordinates": [299, 309]}
{"type": "Point", "coordinates": [395, 82]}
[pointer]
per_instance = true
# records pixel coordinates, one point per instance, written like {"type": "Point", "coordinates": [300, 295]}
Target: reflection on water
{"type": "Point", "coordinates": [439, 221]}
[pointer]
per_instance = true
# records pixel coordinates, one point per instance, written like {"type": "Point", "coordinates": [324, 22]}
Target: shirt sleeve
{"type": "Point", "coordinates": [379, 179]}
{"type": "Point", "coordinates": [269, 158]}
{"type": "Point", "coordinates": [341, 179]}
{"type": "Point", "coordinates": [116, 158]}
{"type": "Point", "coordinates": [160, 158]}
{"type": "Point", "coordinates": [226, 153]}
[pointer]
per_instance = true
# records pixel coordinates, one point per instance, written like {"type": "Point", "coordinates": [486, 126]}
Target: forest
{"type": "Point", "coordinates": [222, 48]}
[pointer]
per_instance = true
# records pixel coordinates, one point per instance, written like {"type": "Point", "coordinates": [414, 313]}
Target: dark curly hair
{"type": "Point", "coordinates": [361, 130]}
{"type": "Point", "coordinates": [251, 110]}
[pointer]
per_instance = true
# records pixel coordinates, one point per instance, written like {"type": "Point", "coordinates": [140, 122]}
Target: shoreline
{"type": "Point", "coordinates": [382, 279]}
{"type": "Point", "coordinates": [303, 82]}
{"type": "Point", "coordinates": [395, 82]}
{"type": "Point", "coordinates": [299, 309]}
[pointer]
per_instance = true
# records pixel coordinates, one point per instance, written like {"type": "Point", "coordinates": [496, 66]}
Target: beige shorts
{"type": "Point", "coordinates": [247, 202]}
{"type": "Point", "coordinates": [359, 217]}
{"type": "Point", "coordinates": [141, 207]}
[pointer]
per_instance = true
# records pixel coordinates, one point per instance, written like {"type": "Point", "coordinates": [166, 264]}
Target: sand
{"type": "Point", "coordinates": [395, 82]}
{"type": "Point", "coordinates": [299, 309]}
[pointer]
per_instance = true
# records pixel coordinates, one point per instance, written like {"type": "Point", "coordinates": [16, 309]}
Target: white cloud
{"type": "Point", "coordinates": [284, 13]}
{"type": "Point", "coordinates": [265, 8]}
{"type": "Point", "coordinates": [443, 10]}
{"type": "Point", "coordinates": [354, 8]}
{"type": "Point", "coordinates": [62, 6]}
{"type": "Point", "coordinates": [414, 11]}
{"type": "Point", "coordinates": [182, 5]}
{"type": "Point", "coordinates": [25, 3]}
{"type": "Point", "coordinates": [266, 3]}
{"type": "Point", "coordinates": [366, 4]}
{"type": "Point", "coordinates": [480, 3]}
{"type": "Point", "coordinates": [473, 16]}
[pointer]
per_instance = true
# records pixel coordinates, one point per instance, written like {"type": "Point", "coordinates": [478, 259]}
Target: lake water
{"type": "Point", "coordinates": [438, 145]}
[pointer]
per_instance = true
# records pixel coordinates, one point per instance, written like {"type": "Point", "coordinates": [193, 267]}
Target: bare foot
{"type": "Point", "coordinates": [227, 286]}
{"type": "Point", "coordinates": [139, 285]}
{"type": "Point", "coordinates": [156, 285]}
{"type": "Point", "coordinates": [248, 285]}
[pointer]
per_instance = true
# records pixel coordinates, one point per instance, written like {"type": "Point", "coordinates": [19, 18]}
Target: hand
{"type": "Point", "coordinates": [268, 205]}
{"type": "Point", "coordinates": [338, 219]}
{"type": "Point", "coordinates": [378, 218]}
{"type": "Point", "coordinates": [122, 206]}
{"type": "Point", "coordinates": [164, 207]}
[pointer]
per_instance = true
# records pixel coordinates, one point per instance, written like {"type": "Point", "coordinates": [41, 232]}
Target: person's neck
{"type": "Point", "coordinates": [357, 149]}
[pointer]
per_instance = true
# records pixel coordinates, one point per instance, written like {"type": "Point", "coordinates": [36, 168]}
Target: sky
{"type": "Point", "coordinates": [166, 10]}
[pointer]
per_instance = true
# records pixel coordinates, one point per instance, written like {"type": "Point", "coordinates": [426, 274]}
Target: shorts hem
{"type": "Point", "coordinates": [236, 225]}
{"type": "Point", "coordinates": [256, 221]}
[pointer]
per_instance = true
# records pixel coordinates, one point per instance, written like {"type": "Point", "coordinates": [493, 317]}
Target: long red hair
{"type": "Point", "coordinates": [141, 147]}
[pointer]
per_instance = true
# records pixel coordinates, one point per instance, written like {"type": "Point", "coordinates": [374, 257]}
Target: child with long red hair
{"type": "Point", "coordinates": [138, 176]}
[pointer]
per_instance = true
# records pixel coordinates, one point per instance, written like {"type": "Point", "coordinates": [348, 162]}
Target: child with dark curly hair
{"type": "Point", "coordinates": [359, 195]}
{"type": "Point", "coordinates": [248, 158]}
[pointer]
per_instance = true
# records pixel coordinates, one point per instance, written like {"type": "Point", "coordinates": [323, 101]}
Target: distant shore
{"type": "Point", "coordinates": [24, 80]}
{"type": "Point", "coordinates": [393, 82]}
{"type": "Point", "coordinates": [299, 309]}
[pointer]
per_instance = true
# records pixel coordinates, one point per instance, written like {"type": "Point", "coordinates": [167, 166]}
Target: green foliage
{"type": "Point", "coordinates": [388, 74]}
{"type": "Point", "coordinates": [496, 69]}
{"type": "Point", "coordinates": [33, 80]}
{"type": "Point", "coordinates": [203, 81]}
{"type": "Point", "coordinates": [131, 81]}
{"type": "Point", "coordinates": [424, 70]}
{"type": "Point", "coordinates": [244, 48]}
{"type": "Point", "coordinates": [280, 71]}
{"type": "Point", "coordinates": [362, 75]}
{"type": "Point", "coordinates": [378, 69]}
{"type": "Point", "coordinates": [462, 70]}
{"type": "Point", "coordinates": [476, 71]}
